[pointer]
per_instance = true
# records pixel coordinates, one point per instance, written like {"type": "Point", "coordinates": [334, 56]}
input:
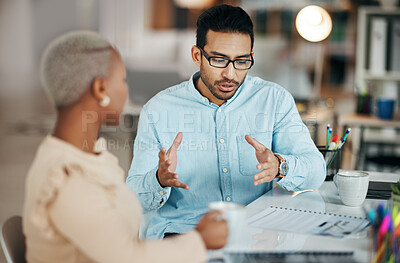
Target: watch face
{"type": "Point", "coordinates": [284, 168]}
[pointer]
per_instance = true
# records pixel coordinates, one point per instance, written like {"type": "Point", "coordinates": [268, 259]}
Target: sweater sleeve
{"type": "Point", "coordinates": [89, 216]}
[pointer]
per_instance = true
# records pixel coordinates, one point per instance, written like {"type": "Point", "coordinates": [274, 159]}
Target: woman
{"type": "Point", "coordinates": [77, 207]}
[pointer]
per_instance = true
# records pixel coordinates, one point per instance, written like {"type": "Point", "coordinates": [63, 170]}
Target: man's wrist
{"type": "Point", "coordinates": [158, 180]}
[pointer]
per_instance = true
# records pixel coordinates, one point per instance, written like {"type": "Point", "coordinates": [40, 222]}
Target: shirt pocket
{"type": "Point", "coordinates": [247, 153]}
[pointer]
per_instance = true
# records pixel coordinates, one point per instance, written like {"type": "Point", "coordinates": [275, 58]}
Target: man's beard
{"type": "Point", "coordinates": [221, 95]}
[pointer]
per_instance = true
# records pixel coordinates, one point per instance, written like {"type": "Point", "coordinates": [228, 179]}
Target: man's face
{"type": "Point", "coordinates": [223, 83]}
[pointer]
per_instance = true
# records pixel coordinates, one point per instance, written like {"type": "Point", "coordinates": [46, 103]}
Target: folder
{"type": "Point", "coordinates": [395, 46]}
{"type": "Point", "coordinates": [377, 51]}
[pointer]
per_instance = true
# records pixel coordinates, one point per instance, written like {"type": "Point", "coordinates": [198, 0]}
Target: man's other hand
{"type": "Point", "coordinates": [167, 165]}
{"type": "Point", "coordinates": [267, 162]}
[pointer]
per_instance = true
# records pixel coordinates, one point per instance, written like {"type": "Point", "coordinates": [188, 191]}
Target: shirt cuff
{"type": "Point", "coordinates": [161, 194]}
{"type": "Point", "coordinates": [292, 180]}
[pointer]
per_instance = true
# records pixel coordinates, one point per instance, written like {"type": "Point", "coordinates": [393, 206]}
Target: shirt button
{"type": "Point", "coordinates": [203, 99]}
{"type": "Point", "coordinates": [224, 170]}
{"type": "Point", "coordinates": [221, 141]}
{"type": "Point", "coordinates": [162, 193]}
{"type": "Point", "coordinates": [219, 109]}
{"type": "Point", "coordinates": [228, 199]}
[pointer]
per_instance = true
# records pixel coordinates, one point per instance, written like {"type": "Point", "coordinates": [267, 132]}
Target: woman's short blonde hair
{"type": "Point", "coordinates": [71, 62]}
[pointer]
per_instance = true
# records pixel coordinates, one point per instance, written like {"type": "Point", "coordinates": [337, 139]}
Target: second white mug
{"type": "Point", "coordinates": [235, 216]}
{"type": "Point", "coordinates": [352, 186]}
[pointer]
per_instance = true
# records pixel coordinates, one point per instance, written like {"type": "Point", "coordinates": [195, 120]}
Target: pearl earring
{"type": "Point", "coordinates": [105, 101]}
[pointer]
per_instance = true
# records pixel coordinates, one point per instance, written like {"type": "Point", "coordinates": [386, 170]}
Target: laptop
{"type": "Point", "coordinates": [290, 257]}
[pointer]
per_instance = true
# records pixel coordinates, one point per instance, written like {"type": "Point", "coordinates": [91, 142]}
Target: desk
{"type": "Point", "coordinates": [362, 122]}
{"type": "Point", "coordinates": [325, 199]}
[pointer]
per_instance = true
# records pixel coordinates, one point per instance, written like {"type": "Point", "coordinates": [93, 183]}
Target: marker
{"type": "Point", "coordinates": [333, 143]}
{"type": "Point", "coordinates": [397, 220]}
{"type": "Point", "coordinates": [372, 216]}
{"type": "Point", "coordinates": [395, 212]}
{"type": "Point", "coordinates": [381, 211]}
{"type": "Point", "coordinates": [383, 229]}
{"type": "Point", "coordinates": [331, 147]}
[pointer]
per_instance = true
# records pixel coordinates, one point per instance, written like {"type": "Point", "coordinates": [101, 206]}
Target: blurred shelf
{"type": "Point", "coordinates": [395, 76]}
{"type": "Point", "coordinates": [371, 121]}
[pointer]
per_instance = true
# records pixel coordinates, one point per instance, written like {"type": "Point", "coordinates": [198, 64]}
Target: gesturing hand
{"type": "Point", "coordinates": [267, 161]}
{"type": "Point", "coordinates": [167, 165]}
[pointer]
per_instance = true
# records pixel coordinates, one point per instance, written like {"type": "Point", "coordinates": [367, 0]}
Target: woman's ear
{"type": "Point", "coordinates": [99, 87]}
{"type": "Point", "coordinates": [196, 55]}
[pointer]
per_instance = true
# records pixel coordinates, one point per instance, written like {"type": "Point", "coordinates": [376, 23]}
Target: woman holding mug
{"type": "Point", "coordinates": [77, 207]}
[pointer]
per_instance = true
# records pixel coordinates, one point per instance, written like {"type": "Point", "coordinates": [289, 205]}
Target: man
{"type": "Point", "coordinates": [228, 135]}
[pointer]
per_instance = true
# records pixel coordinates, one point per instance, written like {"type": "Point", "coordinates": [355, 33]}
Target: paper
{"type": "Point", "coordinates": [307, 222]}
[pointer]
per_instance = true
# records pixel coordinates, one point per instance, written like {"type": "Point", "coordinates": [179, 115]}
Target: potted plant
{"type": "Point", "coordinates": [396, 193]}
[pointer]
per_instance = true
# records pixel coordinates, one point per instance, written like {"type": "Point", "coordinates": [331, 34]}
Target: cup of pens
{"type": "Point", "coordinates": [332, 161]}
{"type": "Point", "coordinates": [331, 152]}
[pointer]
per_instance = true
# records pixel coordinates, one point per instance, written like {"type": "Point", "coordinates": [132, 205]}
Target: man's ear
{"type": "Point", "coordinates": [99, 87]}
{"type": "Point", "coordinates": [196, 55]}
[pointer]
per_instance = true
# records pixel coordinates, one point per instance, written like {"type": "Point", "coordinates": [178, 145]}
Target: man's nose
{"type": "Point", "coordinates": [229, 71]}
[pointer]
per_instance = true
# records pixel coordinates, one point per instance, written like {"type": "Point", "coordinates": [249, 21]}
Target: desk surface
{"type": "Point", "coordinates": [353, 119]}
{"type": "Point", "coordinates": [325, 199]}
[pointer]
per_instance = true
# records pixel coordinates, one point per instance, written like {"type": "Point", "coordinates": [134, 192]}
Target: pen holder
{"type": "Point", "coordinates": [332, 160]}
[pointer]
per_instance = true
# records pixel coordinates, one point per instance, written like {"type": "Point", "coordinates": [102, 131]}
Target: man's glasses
{"type": "Point", "coordinates": [220, 62]}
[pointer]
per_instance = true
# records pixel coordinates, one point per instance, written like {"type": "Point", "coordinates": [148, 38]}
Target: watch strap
{"type": "Point", "coordinates": [279, 175]}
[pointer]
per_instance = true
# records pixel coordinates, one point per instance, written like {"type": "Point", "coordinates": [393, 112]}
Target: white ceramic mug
{"type": "Point", "coordinates": [352, 186]}
{"type": "Point", "coordinates": [235, 216]}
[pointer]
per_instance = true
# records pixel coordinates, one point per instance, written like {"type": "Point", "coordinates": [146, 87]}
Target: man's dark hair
{"type": "Point", "coordinates": [223, 18]}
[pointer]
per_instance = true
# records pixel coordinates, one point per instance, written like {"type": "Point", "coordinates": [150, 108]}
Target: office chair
{"type": "Point", "coordinates": [13, 240]}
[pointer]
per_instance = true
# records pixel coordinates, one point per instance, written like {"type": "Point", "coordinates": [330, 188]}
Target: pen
{"type": "Point", "coordinates": [342, 141]}
{"type": "Point", "coordinates": [346, 134]}
{"type": "Point", "coordinates": [328, 135]}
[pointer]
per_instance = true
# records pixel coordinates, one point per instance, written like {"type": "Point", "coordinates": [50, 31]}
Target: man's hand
{"type": "Point", "coordinates": [267, 161]}
{"type": "Point", "coordinates": [167, 165]}
{"type": "Point", "coordinates": [213, 231]}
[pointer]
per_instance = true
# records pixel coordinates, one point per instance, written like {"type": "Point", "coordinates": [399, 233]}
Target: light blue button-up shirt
{"type": "Point", "coordinates": [214, 159]}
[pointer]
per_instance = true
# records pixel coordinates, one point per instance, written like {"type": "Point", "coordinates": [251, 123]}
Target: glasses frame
{"type": "Point", "coordinates": [228, 60]}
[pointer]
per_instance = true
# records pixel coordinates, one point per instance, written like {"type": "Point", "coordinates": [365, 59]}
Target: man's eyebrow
{"type": "Point", "coordinates": [223, 55]}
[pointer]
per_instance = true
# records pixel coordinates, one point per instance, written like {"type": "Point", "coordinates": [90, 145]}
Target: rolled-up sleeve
{"type": "Point", "coordinates": [142, 178]}
{"type": "Point", "coordinates": [291, 140]}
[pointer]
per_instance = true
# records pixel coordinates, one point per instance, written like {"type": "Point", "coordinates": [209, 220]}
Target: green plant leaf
{"type": "Point", "coordinates": [395, 188]}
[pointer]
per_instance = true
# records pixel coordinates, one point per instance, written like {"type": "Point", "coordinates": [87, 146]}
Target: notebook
{"type": "Point", "coordinates": [379, 190]}
{"type": "Point", "coordinates": [307, 222]}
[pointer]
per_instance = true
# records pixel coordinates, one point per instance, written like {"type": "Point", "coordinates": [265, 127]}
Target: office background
{"type": "Point", "coordinates": [155, 37]}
